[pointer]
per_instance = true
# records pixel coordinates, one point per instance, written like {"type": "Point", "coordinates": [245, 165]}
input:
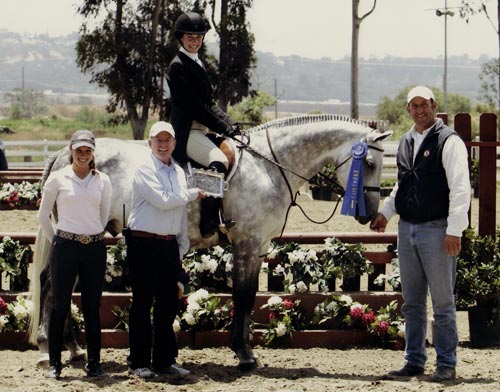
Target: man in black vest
{"type": "Point", "coordinates": [432, 198]}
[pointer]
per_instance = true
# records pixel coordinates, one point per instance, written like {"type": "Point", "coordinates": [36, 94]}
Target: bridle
{"type": "Point", "coordinates": [246, 145]}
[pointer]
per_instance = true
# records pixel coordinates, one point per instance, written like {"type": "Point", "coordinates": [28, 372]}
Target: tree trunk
{"type": "Point", "coordinates": [223, 55]}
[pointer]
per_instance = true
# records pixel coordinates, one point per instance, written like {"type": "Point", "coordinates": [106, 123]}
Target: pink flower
{"type": "Point", "coordinates": [356, 312]}
{"type": "Point", "coordinates": [3, 306]}
{"type": "Point", "coordinates": [368, 318]}
{"type": "Point", "coordinates": [272, 315]}
{"type": "Point", "coordinates": [382, 328]}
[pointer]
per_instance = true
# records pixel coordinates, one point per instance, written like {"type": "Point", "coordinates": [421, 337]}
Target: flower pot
{"type": "Point", "coordinates": [484, 331]}
{"type": "Point", "coordinates": [351, 284]}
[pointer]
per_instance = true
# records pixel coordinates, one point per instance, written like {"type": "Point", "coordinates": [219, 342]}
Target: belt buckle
{"type": "Point", "coordinates": [85, 239]}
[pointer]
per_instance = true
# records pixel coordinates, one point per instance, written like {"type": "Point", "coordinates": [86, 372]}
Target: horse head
{"type": "Point", "coordinates": [372, 172]}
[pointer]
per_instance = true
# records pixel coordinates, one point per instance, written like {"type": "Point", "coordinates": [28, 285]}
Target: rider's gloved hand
{"type": "Point", "coordinates": [234, 130]}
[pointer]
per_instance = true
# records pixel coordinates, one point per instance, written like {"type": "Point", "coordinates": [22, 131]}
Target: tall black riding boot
{"type": "Point", "coordinates": [212, 217]}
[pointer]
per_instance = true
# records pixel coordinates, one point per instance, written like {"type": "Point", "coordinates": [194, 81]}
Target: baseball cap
{"type": "Point", "coordinates": [83, 138]}
{"type": "Point", "coordinates": [420, 91]}
{"type": "Point", "coordinates": [161, 126]}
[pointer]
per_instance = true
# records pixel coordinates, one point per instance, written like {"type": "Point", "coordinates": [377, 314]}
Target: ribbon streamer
{"type": "Point", "coordinates": [354, 200]}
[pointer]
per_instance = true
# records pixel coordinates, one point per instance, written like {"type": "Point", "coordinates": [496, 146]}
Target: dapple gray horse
{"type": "Point", "coordinates": [259, 195]}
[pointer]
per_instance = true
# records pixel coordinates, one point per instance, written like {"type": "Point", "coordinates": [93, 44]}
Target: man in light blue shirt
{"type": "Point", "coordinates": [156, 242]}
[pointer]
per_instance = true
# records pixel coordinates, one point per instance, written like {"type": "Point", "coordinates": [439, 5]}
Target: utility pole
{"type": "Point", "coordinates": [445, 12]}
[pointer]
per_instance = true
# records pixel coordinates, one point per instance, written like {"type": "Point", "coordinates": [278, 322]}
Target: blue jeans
{"type": "Point", "coordinates": [424, 264]}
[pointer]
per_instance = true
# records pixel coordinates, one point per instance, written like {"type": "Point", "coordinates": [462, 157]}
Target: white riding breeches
{"type": "Point", "coordinates": [201, 149]}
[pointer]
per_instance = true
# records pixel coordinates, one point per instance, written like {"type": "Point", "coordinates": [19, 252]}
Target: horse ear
{"type": "Point", "coordinates": [377, 136]}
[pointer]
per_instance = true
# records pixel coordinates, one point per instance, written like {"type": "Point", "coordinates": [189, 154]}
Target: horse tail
{"type": "Point", "coordinates": [40, 261]}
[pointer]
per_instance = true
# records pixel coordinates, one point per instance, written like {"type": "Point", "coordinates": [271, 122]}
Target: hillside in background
{"type": "Point", "coordinates": [46, 63]}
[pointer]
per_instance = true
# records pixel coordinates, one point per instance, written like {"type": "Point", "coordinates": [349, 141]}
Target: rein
{"type": "Point", "coordinates": [282, 169]}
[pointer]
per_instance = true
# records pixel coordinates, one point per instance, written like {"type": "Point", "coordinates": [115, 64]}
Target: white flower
{"type": "Point", "coordinates": [280, 329]}
{"type": "Point", "coordinates": [176, 326]}
{"type": "Point", "coordinates": [274, 300]}
{"type": "Point", "coordinates": [401, 330]}
{"type": "Point", "coordinates": [346, 298]}
{"type": "Point", "coordinates": [229, 282]}
{"type": "Point", "coordinates": [189, 318]}
{"type": "Point", "coordinates": [357, 305]}
{"type": "Point", "coordinates": [211, 265]}
{"type": "Point", "coordinates": [198, 267]}
{"type": "Point", "coordinates": [302, 287]}
{"type": "Point", "coordinates": [198, 296]}
{"type": "Point", "coordinates": [193, 307]}
{"type": "Point", "coordinates": [229, 266]}
{"type": "Point", "coordinates": [279, 270]}
{"type": "Point", "coordinates": [108, 278]}
{"type": "Point", "coordinates": [218, 250]}
{"type": "Point", "coordinates": [292, 288]}
{"type": "Point", "coordinates": [296, 256]}
{"type": "Point", "coordinates": [3, 322]}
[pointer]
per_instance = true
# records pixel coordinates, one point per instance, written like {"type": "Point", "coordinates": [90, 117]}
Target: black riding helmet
{"type": "Point", "coordinates": [191, 23]}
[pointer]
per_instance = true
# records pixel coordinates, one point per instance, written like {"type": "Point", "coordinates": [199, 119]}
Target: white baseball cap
{"type": "Point", "coordinates": [420, 91]}
{"type": "Point", "coordinates": [82, 138]}
{"type": "Point", "coordinates": [161, 126]}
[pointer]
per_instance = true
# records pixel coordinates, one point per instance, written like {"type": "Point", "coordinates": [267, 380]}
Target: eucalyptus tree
{"type": "Point", "coordinates": [236, 53]}
{"type": "Point", "coordinates": [126, 46]}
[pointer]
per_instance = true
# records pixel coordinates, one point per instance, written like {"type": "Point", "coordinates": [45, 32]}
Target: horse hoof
{"type": "Point", "coordinates": [247, 366]}
{"type": "Point", "coordinates": [43, 361]}
{"type": "Point", "coordinates": [78, 356]}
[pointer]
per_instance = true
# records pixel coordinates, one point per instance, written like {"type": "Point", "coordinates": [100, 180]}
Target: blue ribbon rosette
{"type": "Point", "coordinates": [354, 195]}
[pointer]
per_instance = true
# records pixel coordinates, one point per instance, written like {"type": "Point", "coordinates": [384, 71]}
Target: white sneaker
{"type": "Point", "coordinates": [175, 369]}
{"type": "Point", "coordinates": [141, 372]}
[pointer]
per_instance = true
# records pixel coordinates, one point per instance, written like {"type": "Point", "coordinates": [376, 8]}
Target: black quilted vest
{"type": "Point", "coordinates": [423, 193]}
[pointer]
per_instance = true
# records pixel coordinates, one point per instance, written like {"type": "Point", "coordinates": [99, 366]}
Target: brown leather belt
{"type": "Point", "coordinates": [145, 234]}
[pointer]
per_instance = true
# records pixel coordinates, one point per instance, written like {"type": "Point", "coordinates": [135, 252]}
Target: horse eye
{"type": "Point", "coordinates": [370, 164]}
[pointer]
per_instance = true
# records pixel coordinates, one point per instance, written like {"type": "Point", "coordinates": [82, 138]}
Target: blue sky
{"type": "Point", "coordinates": [312, 28]}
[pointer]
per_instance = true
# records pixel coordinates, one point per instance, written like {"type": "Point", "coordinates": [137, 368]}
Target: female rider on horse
{"type": "Point", "coordinates": [198, 122]}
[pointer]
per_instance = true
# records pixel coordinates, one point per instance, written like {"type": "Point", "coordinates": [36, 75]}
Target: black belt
{"type": "Point", "coordinates": [82, 238]}
{"type": "Point", "coordinates": [145, 234]}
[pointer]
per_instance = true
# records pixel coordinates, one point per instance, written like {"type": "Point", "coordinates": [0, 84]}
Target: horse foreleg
{"type": "Point", "coordinates": [76, 353]}
{"type": "Point", "coordinates": [245, 285]}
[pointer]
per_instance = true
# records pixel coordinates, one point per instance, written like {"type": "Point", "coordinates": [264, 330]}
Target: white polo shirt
{"type": "Point", "coordinates": [83, 205]}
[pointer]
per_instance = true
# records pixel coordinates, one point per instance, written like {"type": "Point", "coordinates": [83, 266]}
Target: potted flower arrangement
{"type": "Point", "coordinates": [206, 312]}
{"type": "Point", "coordinates": [14, 260]}
{"type": "Point", "coordinates": [300, 268]}
{"type": "Point", "coordinates": [210, 268]}
{"type": "Point", "coordinates": [477, 286]}
{"type": "Point", "coordinates": [117, 276]}
{"type": "Point", "coordinates": [276, 257]}
{"type": "Point", "coordinates": [393, 279]}
{"type": "Point", "coordinates": [322, 188]}
{"type": "Point", "coordinates": [14, 316]}
{"type": "Point", "coordinates": [332, 312]}
{"type": "Point", "coordinates": [388, 326]}
{"type": "Point", "coordinates": [345, 261]}
{"type": "Point", "coordinates": [285, 317]}
{"type": "Point", "coordinates": [19, 194]}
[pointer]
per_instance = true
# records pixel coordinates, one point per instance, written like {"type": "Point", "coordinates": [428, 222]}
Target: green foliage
{"type": "Point", "coordinates": [237, 55]}
{"type": "Point", "coordinates": [478, 271]}
{"type": "Point", "coordinates": [14, 260]}
{"type": "Point", "coordinates": [342, 260]}
{"type": "Point", "coordinates": [490, 72]}
{"type": "Point", "coordinates": [250, 110]}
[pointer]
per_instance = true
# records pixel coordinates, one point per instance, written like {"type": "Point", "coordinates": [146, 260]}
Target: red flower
{"type": "Point", "coordinates": [3, 306]}
{"type": "Point", "coordinates": [356, 312]}
{"type": "Point", "coordinates": [382, 328]}
{"type": "Point", "coordinates": [288, 303]}
{"type": "Point", "coordinates": [368, 318]}
{"type": "Point", "coordinates": [272, 315]}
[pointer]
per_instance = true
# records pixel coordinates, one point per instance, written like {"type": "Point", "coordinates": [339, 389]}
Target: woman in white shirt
{"type": "Point", "coordinates": [82, 196]}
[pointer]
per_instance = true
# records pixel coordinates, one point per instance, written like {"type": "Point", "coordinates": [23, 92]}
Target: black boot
{"type": "Point", "coordinates": [212, 218]}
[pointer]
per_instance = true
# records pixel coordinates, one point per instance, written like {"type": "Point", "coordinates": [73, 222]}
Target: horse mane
{"type": "Point", "coordinates": [304, 119]}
